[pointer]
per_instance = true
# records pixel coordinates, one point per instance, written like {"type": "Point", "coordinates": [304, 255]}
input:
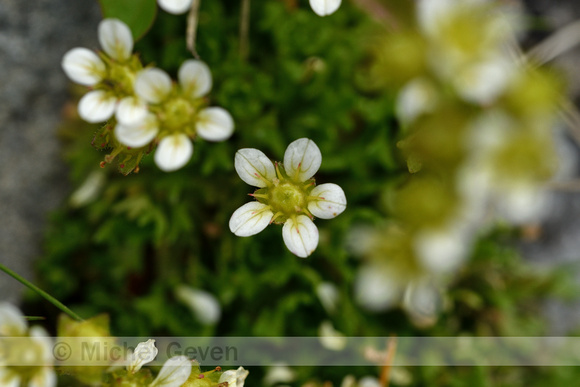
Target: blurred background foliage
{"type": "Point", "coordinates": [124, 248]}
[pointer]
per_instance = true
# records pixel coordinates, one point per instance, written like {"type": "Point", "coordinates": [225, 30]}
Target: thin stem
{"type": "Point", "coordinates": [41, 292]}
{"type": "Point", "coordinates": [191, 33]}
{"type": "Point", "coordinates": [244, 29]}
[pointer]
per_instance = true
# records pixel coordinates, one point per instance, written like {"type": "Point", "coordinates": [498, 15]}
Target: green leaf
{"type": "Point", "coordinates": [137, 14]}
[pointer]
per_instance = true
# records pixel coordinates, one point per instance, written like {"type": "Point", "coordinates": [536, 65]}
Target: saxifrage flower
{"type": "Point", "coordinates": [287, 195]}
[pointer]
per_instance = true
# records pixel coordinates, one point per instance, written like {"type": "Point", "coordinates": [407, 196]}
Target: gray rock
{"type": "Point", "coordinates": [34, 35]}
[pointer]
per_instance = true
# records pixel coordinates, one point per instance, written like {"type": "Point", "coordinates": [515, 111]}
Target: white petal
{"type": "Point", "coordinates": [83, 66]}
{"type": "Point", "coordinates": [369, 381]}
{"type": "Point", "coordinates": [143, 354]}
{"type": "Point", "coordinates": [40, 336]}
{"type": "Point", "coordinates": [195, 78]}
{"type": "Point", "coordinates": [175, 7]}
{"type": "Point", "coordinates": [215, 124]}
{"type": "Point", "coordinates": [484, 82]}
{"type": "Point", "coordinates": [89, 189]}
{"type": "Point", "coordinates": [97, 106]}
{"type": "Point", "coordinates": [376, 289]}
{"type": "Point", "coordinates": [139, 135]}
{"type": "Point", "coordinates": [131, 111]}
{"type": "Point", "coordinates": [174, 372]}
{"type": "Point", "coordinates": [279, 374]}
{"type": "Point", "coordinates": [330, 203]}
{"type": "Point", "coordinates": [441, 251]}
{"type": "Point", "coordinates": [12, 322]}
{"type": "Point", "coordinates": [234, 378]}
{"type": "Point", "coordinates": [422, 300]}
{"type": "Point", "coordinates": [302, 159]}
{"type": "Point", "coordinates": [250, 219]}
{"type": "Point", "coordinates": [301, 237]}
{"type": "Point", "coordinates": [153, 85]}
{"type": "Point", "coordinates": [254, 167]}
{"type": "Point", "coordinates": [44, 377]}
{"type": "Point", "coordinates": [330, 338]}
{"type": "Point", "coordinates": [328, 295]}
{"type": "Point", "coordinates": [9, 378]}
{"type": "Point", "coordinates": [324, 7]}
{"type": "Point", "coordinates": [417, 97]}
{"type": "Point", "coordinates": [205, 307]}
{"type": "Point", "coordinates": [173, 152]}
{"type": "Point", "coordinates": [116, 39]}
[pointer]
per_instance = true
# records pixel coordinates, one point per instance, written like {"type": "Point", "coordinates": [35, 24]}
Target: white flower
{"type": "Point", "coordinates": [279, 373]}
{"type": "Point", "coordinates": [176, 112]}
{"type": "Point", "coordinates": [286, 196]}
{"type": "Point", "coordinates": [175, 7]}
{"type": "Point", "coordinates": [86, 68]}
{"type": "Point", "coordinates": [144, 353]}
{"type": "Point", "coordinates": [234, 378]}
{"type": "Point", "coordinates": [174, 372]}
{"type": "Point", "coordinates": [33, 355]}
{"type": "Point", "coordinates": [204, 305]}
{"type": "Point", "coordinates": [378, 288]}
{"type": "Point", "coordinates": [324, 7]}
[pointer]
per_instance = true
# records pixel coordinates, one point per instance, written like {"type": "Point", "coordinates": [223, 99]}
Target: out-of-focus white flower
{"type": "Point", "coordinates": [89, 190]}
{"type": "Point", "coordinates": [143, 354]}
{"type": "Point", "coordinates": [325, 7]}
{"type": "Point", "coordinates": [234, 378]}
{"type": "Point", "coordinates": [175, 7]}
{"type": "Point", "coordinates": [377, 288]}
{"type": "Point", "coordinates": [29, 363]}
{"type": "Point", "coordinates": [417, 97]}
{"type": "Point", "coordinates": [422, 301]}
{"type": "Point", "coordinates": [286, 195]}
{"type": "Point", "coordinates": [330, 338]}
{"type": "Point", "coordinates": [279, 373]}
{"type": "Point", "coordinates": [441, 250]}
{"type": "Point", "coordinates": [174, 372]}
{"type": "Point", "coordinates": [204, 305]}
{"type": "Point", "coordinates": [483, 82]}
{"type": "Point", "coordinates": [328, 295]}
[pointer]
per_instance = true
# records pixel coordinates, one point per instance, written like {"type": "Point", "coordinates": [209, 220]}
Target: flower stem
{"type": "Point", "coordinates": [192, 28]}
{"type": "Point", "coordinates": [41, 292]}
{"type": "Point", "coordinates": [244, 30]}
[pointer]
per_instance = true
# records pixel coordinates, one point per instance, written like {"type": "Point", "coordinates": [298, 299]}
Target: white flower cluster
{"type": "Point", "coordinates": [34, 361]}
{"type": "Point", "coordinates": [287, 195]}
{"type": "Point", "coordinates": [321, 7]}
{"type": "Point", "coordinates": [149, 109]}
{"type": "Point", "coordinates": [478, 136]}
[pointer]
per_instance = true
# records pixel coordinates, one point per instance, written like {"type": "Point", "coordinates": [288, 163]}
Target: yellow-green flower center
{"type": "Point", "coordinates": [178, 114]}
{"type": "Point", "coordinates": [287, 198]}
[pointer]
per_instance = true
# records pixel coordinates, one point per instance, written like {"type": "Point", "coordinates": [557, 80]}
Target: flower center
{"type": "Point", "coordinates": [287, 198]}
{"type": "Point", "coordinates": [178, 114]}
